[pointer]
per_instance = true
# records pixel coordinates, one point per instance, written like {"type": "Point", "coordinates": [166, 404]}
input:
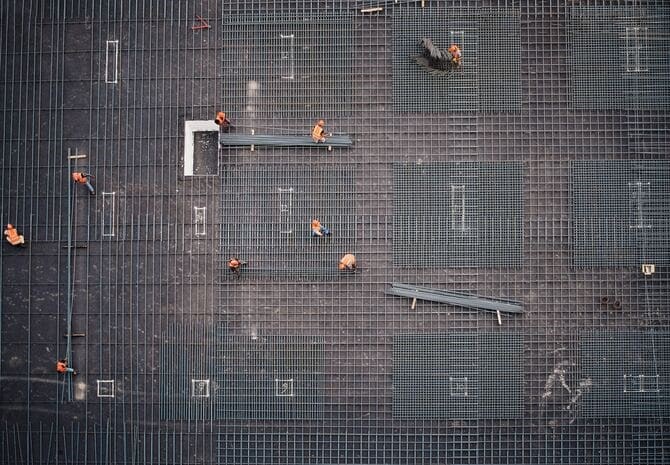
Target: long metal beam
{"type": "Point", "coordinates": [245, 140]}
{"type": "Point", "coordinates": [461, 300]}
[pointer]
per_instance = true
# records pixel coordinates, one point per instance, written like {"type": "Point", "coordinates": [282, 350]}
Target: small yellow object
{"type": "Point", "coordinates": [648, 269]}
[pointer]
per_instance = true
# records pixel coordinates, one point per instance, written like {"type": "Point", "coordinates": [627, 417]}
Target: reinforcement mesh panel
{"type": "Point", "coordinates": [629, 372]}
{"type": "Point", "coordinates": [499, 60]}
{"type": "Point", "coordinates": [619, 57]}
{"type": "Point", "coordinates": [414, 89]}
{"type": "Point", "coordinates": [270, 378]}
{"type": "Point", "coordinates": [267, 210]}
{"type": "Point", "coordinates": [186, 372]}
{"type": "Point", "coordinates": [457, 214]}
{"type": "Point", "coordinates": [621, 212]}
{"type": "Point", "coordinates": [280, 67]}
{"type": "Point", "coordinates": [465, 376]}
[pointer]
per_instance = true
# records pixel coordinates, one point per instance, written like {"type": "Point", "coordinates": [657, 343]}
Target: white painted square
{"type": "Point", "coordinates": [105, 387]}
{"type": "Point", "coordinates": [284, 387]}
{"type": "Point", "coordinates": [199, 388]}
{"type": "Point", "coordinates": [458, 387]}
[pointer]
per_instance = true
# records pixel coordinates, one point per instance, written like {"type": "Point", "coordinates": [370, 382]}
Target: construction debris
{"type": "Point", "coordinates": [454, 298]}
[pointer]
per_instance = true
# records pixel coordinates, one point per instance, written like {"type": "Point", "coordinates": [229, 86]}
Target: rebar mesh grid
{"type": "Point", "coordinates": [267, 210]}
{"type": "Point", "coordinates": [457, 214]}
{"type": "Point", "coordinates": [272, 378]}
{"type": "Point", "coordinates": [162, 265]}
{"type": "Point", "coordinates": [620, 56]}
{"type": "Point", "coordinates": [458, 376]}
{"type": "Point", "coordinates": [621, 212]}
{"type": "Point", "coordinates": [628, 372]}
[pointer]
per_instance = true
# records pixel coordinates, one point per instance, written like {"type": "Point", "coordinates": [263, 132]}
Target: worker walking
{"type": "Point", "coordinates": [347, 263]}
{"type": "Point", "coordinates": [61, 367]}
{"type": "Point", "coordinates": [319, 230]}
{"type": "Point", "coordinates": [234, 265]}
{"type": "Point", "coordinates": [455, 52]}
{"type": "Point", "coordinates": [319, 133]}
{"type": "Point", "coordinates": [13, 237]}
{"type": "Point", "coordinates": [222, 120]}
{"type": "Point", "coordinates": [82, 178]}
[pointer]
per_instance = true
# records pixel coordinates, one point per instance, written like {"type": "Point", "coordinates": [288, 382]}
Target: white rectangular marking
{"type": "Point", "coordinates": [287, 61]}
{"type": "Point", "coordinates": [112, 62]}
{"type": "Point", "coordinates": [108, 214]}
{"type": "Point", "coordinates": [458, 207]}
{"type": "Point", "coordinates": [200, 220]}
{"type": "Point", "coordinates": [636, 49]}
{"type": "Point", "coordinates": [285, 206]}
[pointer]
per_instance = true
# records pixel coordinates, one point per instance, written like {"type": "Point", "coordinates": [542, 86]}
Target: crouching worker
{"type": "Point", "coordinates": [347, 263]}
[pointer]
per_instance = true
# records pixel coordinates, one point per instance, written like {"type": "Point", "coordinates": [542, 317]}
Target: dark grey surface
{"type": "Point", "coordinates": [155, 272]}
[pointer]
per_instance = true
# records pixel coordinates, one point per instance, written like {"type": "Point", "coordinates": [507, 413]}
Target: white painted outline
{"type": "Point", "coordinates": [287, 55]}
{"type": "Point", "coordinates": [279, 387]}
{"type": "Point", "coordinates": [112, 222]}
{"type": "Point", "coordinates": [194, 383]}
{"type": "Point", "coordinates": [637, 48]}
{"type": "Point", "coordinates": [285, 207]}
{"type": "Point", "coordinates": [642, 381]}
{"type": "Point", "coordinates": [200, 219]}
{"type": "Point", "coordinates": [458, 207]}
{"type": "Point", "coordinates": [458, 387]}
{"type": "Point", "coordinates": [115, 44]}
{"type": "Point", "coordinates": [102, 382]}
{"type": "Point", "coordinates": [191, 127]}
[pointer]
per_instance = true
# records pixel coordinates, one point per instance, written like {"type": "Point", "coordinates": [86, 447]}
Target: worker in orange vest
{"type": "Point", "coordinates": [319, 133]}
{"type": "Point", "coordinates": [13, 237]}
{"type": "Point", "coordinates": [61, 367]}
{"type": "Point", "coordinates": [234, 265]}
{"type": "Point", "coordinates": [319, 230]}
{"type": "Point", "coordinates": [222, 120]}
{"type": "Point", "coordinates": [347, 263]}
{"type": "Point", "coordinates": [82, 178]}
{"type": "Point", "coordinates": [455, 52]}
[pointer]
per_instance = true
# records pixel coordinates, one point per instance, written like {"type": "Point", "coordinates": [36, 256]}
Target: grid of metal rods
{"type": "Point", "coordinates": [116, 80]}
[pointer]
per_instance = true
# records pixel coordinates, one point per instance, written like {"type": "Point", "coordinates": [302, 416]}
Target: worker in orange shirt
{"type": "Point", "coordinates": [319, 133]}
{"type": "Point", "coordinates": [61, 367]}
{"type": "Point", "coordinates": [82, 178]}
{"type": "Point", "coordinates": [319, 230]}
{"type": "Point", "coordinates": [13, 237]}
{"type": "Point", "coordinates": [347, 263]}
{"type": "Point", "coordinates": [222, 120]}
{"type": "Point", "coordinates": [455, 52]}
{"type": "Point", "coordinates": [234, 265]}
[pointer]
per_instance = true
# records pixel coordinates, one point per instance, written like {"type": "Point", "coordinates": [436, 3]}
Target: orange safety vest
{"type": "Point", "coordinates": [234, 263]}
{"type": "Point", "coordinates": [316, 226]}
{"type": "Point", "coordinates": [221, 119]}
{"type": "Point", "coordinates": [61, 367]}
{"type": "Point", "coordinates": [317, 133]}
{"type": "Point", "coordinates": [79, 177]}
{"type": "Point", "coordinates": [348, 261]}
{"type": "Point", "coordinates": [13, 237]}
